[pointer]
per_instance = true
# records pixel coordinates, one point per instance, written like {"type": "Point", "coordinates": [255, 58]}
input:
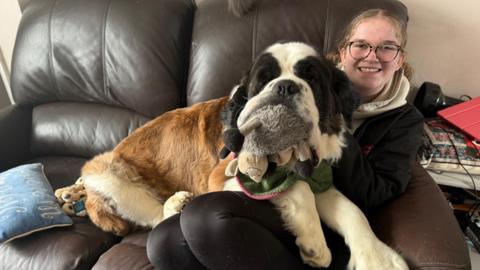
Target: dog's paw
{"type": "Point", "coordinates": [313, 252]}
{"type": "Point", "coordinates": [379, 256]}
{"type": "Point", "coordinates": [175, 203]}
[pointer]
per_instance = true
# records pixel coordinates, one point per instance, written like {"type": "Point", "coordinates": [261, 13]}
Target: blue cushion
{"type": "Point", "coordinates": [27, 203]}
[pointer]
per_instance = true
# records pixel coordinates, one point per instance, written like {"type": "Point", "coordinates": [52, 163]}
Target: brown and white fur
{"type": "Point", "coordinates": [177, 154]}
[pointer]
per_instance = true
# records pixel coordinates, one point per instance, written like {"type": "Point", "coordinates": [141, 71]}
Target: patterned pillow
{"type": "Point", "coordinates": [27, 203]}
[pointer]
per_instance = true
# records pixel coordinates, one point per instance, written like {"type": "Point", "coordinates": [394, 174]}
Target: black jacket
{"type": "Point", "coordinates": [376, 164]}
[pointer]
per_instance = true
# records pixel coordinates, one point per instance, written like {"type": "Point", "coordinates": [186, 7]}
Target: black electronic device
{"type": "Point", "coordinates": [430, 99]}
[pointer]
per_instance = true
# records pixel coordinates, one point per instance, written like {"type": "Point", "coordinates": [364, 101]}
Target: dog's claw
{"type": "Point", "coordinates": [380, 256]}
{"type": "Point", "coordinates": [175, 203]}
{"type": "Point", "coordinates": [315, 256]}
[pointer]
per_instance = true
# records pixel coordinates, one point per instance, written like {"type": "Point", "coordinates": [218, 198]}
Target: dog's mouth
{"type": "Point", "coordinates": [274, 128]}
{"type": "Point", "coordinates": [257, 103]}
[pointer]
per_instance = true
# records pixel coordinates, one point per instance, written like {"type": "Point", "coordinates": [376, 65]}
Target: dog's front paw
{"type": "Point", "coordinates": [376, 257]}
{"type": "Point", "coordinates": [175, 203]}
{"type": "Point", "coordinates": [313, 252]}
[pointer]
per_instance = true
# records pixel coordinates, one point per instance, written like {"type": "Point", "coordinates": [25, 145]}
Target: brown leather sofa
{"type": "Point", "coordinates": [86, 73]}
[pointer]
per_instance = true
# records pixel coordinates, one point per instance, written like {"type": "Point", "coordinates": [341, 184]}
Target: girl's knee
{"type": "Point", "coordinates": [162, 238]}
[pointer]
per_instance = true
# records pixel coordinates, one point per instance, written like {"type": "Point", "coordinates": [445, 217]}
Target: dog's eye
{"type": "Point", "coordinates": [264, 76]}
{"type": "Point", "coordinates": [306, 71]}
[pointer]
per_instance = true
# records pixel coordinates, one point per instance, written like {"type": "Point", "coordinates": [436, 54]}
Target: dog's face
{"type": "Point", "coordinates": [295, 75]}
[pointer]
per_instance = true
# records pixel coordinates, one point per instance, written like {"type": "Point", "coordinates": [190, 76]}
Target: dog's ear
{"type": "Point", "coordinates": [348, 100]}
{"type": "Point", "coordinates": [236, 103]}
{"type": "Point", "coordinates": [232, 137]}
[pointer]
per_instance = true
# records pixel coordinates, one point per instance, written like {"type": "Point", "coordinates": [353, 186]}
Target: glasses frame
{"type": "Point", "coordinates": [349, 45]}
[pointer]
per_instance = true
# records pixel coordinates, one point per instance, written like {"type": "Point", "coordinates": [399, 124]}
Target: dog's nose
{"type": "Point", "coordinates": [286, 88]}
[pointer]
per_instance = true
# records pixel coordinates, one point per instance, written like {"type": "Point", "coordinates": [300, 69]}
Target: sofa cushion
{"type": "Point", "coordinates": [61, 171]}
{"type": "Point", "coordinates": [428, 236]}
{"type": "Point", "coordinates": [15, 125]}
{"type": "Point", "coordinates": [80, 129]}
{"type": "Point", "coordinates": [27, 203]}
{"type": "Point", "coordinates": [129, 254]}
{"type": "Point", "coordinates": [75, 247]}
{"type": "Point", "coordinates": [131, 54]}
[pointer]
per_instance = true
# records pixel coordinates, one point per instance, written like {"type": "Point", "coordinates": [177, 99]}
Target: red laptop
{"type": "Point", "coordinates": [465, 116]}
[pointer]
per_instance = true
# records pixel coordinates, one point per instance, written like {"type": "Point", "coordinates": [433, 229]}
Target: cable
{"type": "Point", "coordinates": [476, 204]}
{"type": "Point", "coordinates": [465, 97]}
{"type": "Point", "coordinates": [460, 162]}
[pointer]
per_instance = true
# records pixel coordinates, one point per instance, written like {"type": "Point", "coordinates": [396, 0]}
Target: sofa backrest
{"type": "Point", "coordinates": [95, 70]}
{"type": "Point", "coordinates": [129, 54]}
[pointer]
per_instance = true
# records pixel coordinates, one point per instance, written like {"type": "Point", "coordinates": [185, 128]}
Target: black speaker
{"type": "Point", "coordinates": [430, 99]}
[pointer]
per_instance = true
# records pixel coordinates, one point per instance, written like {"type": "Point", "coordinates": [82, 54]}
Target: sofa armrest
{"type": "Point", "coordinates": [15, 128]}
{"type": "Point", "coordinates": [421, 226]}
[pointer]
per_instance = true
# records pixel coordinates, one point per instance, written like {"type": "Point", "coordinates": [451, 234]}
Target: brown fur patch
{"type": "Point", "coordinates": [102, 215]}
{"type": "Point", "coordinates": [177, 151]}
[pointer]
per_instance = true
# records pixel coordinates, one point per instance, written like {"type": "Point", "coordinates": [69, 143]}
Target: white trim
{"type": "Point", "coordinates": [5, 76]}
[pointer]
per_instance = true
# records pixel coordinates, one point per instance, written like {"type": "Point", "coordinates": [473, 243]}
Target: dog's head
{"type": "Point", "coordinates": [295, 75]}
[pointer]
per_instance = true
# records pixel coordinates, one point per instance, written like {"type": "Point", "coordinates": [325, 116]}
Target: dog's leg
{"type": "Point", "coordinates": [367, 251]}
{"type": "Point", "coordinates": [175, 203]}
{"type": "Point", "coordinates": [131, 201]}
{"type": "Point", "coordinates": [104, 217]}
{"type": "Point", "coordinates": [297, 208]}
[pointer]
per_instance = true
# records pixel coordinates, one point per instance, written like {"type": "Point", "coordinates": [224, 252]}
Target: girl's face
{"type": "Point", "coordinates": [369, 75]}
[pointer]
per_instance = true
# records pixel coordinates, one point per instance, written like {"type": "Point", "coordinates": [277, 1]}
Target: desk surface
{"type": "Point", "coordinates": [459, 180]}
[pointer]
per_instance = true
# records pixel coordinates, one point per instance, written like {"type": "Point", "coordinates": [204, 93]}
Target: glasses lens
{"type": "Point", "coordinates": [385, 53]}
{"type": "Point", "coordinates": [359, 50]}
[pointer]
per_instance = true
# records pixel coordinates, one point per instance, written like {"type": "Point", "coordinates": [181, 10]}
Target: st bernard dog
{"type": "Point", "coordinates": [176, 156]}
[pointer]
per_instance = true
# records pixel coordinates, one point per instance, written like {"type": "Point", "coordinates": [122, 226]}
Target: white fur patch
{"type": "Point", "coordinates": [233, 91]}
{"type": "Point", "coordinates": [328, 147]}
{"type": "Point", "coordinates": [299, 213]}
{"type": "Point", "coordinates": [367, 251]}
{"type": "Point", "coordinates": [232, 185]}
{"type": "Point", "coordinates": [132, 201]}
{"type": "Point", "coordinates": [176, 202]}
{"type": "Point", "coordinates": [288, 54]}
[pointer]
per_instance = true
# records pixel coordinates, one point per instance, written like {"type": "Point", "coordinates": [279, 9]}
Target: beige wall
{"type": "Point", "coordinates": [9, 18]}
{"type": "Point", "coordinates": [443, 46]}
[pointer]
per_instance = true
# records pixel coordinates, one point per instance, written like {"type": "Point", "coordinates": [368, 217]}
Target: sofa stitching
{"type": "Point", "coordinates": [184, 90]}
{"type": "Point", "coordinates": [327, 28]}
{"type": "Point", "coordinates": [103, 52]}
{"type": "Point", "coordinates": [53, 79]}
{"type": "Point", "coordinates": [440, 265]}
{"type": "Point", "coordinates": [255, 31]}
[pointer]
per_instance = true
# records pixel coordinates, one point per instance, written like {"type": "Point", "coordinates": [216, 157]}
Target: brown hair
{"type": "Point", "coordinates": [399, 24]}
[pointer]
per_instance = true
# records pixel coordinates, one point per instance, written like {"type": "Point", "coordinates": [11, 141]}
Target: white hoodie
{"type": "Point", "coordinates": [392, 96]}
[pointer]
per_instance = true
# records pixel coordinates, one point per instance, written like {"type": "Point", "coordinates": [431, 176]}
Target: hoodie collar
{"type": "Point", "coordinates": [393, 95]}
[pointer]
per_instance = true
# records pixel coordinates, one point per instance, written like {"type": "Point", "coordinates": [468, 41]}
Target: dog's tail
{"type": "Point", "coordinates": [240, 7]}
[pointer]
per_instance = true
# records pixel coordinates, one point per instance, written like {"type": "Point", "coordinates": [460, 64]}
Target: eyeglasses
{"type": "Point", "coordinates": [385, 53]}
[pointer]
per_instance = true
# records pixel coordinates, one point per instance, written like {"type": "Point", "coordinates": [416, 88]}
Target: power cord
{"type": "Point", "coordinates": [475, 194]}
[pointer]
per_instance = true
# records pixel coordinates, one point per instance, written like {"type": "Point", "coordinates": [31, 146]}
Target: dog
{"type": "Point", "coordinates": [157, 169]}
